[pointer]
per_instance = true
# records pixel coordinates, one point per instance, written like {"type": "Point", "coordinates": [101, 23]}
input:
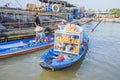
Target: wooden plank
{"type": "Point", "coordinates": [20, 35]}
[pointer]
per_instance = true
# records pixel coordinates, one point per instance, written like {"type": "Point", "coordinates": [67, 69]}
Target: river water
{"type": "Point", "coordinates": [101, 62]}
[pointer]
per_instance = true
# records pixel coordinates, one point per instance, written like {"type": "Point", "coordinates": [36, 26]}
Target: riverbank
{"type": "Point", "coordinates": [116, 20]}
{"type": "Point", "coordinates": [108, 19]}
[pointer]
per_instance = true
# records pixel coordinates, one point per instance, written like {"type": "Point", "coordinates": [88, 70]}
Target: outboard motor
{"type": "Point", "coordinates": [47, 31]}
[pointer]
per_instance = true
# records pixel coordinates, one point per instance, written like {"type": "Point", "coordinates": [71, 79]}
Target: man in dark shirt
{"type": "Point", "coordinates": [37, 20]}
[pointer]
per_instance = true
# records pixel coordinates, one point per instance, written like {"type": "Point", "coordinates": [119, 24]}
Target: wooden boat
{"type": "Point", "coordinates": [69, 46]}
{"type": "Point", "coordinates": [13, 48]}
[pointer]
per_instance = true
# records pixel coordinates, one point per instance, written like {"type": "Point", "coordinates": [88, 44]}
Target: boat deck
{"type": "Point", "coordinates": [11, 45]}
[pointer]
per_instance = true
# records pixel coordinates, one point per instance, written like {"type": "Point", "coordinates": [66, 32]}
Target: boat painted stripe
{"type": "Point", "coordinates": [25, 51]}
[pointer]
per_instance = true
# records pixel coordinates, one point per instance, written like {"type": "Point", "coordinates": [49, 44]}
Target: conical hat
{"type": "Point", "coordinates": [38, 28]}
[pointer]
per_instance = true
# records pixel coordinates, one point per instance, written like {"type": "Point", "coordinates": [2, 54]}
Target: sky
{"type": "Point", "coordinates": [88, 4]}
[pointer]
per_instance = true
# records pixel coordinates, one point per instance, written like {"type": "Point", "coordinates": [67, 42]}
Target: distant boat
{"type": "Point", "coordinates": [16, 47]}
{"type": "Point", "coordinates": [69, 46]}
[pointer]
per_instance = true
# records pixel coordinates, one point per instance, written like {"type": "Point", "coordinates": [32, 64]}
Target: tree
{"type": "Point", "coordinates": [115, 11]}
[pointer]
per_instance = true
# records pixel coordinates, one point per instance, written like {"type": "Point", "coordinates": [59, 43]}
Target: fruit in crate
{"type": "Point", "coordinates": [70, 28]}
{"type": "Point", "coordinates": [75, 41]}
{"type": "Point", "coordinates": [75, 49]}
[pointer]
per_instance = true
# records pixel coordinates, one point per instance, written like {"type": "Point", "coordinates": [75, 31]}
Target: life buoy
{"type": "Point", "coordinates": [55, 8]}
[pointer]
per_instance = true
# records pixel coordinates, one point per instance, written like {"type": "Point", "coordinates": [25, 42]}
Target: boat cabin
{"type": "Point", "coordinates": [68, 39]}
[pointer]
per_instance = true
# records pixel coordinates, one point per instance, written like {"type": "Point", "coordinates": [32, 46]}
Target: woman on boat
{"type": "Point", "coordinates": [40, 35]}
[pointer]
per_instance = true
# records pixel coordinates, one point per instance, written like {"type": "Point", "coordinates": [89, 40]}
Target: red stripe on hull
{"type": "Point", "coordinates": [25, 51]}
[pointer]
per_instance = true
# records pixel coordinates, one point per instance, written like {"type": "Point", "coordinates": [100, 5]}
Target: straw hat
{"type": "Point", "coordinates": [38, 28]}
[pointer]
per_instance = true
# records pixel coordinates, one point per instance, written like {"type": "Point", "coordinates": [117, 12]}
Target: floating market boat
{"type": "Point", "coordinates": [70, 43]}
{"type": "Point", "coordinates": [13, 48]}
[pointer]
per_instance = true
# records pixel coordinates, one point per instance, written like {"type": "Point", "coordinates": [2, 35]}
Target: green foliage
{"type": "Point", "coordinates": [115, 11]}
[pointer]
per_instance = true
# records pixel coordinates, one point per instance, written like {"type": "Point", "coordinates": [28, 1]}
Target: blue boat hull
{"type": "Point", "coordinates": [21, 47]}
